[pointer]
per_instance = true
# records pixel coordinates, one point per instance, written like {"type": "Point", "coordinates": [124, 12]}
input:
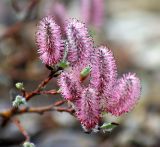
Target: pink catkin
{"type": "Point", "coordinates": [48, 38]}
{"type": "Point", "coordinates": [87, 109]}
{"type": "Point", "coordinates": [70, 89]}
{"type": "Point", "coordinates": [103, 73]}
{"type": "Point", "coordinates": [126, 93]}
{"type": "Point", "coordinates": [104, 92]}
{"type": "Point", "coordinates": [80, 44]}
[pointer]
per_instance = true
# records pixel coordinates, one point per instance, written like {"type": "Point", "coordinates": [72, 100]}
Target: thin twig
{"type": "Point", "coordinates": [38, 110]}
{"type": "Point", "coordinates": [9, 113]}
{"type": "Point", "coordinates": [41, 110]}
{"type": "Point", "coordinates": [40, 87]}
{"type": "Point", "coordinates": [58, 103]}
{"type": "Point", "coordinates": [50, 92]}
{"type": "Point", "coordinates": [21, 129]}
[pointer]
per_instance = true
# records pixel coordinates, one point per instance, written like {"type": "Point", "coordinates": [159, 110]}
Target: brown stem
{"type": "Point", "coordinates": [50, 92]}
{"type": "Point", "coordinates": [53, 73]}
{"type": "Point", "coordinates": [11, 112]}
{"type": "Point", "coordinates": [58, 103]}
{"type": "Point", "coordinates": [39, 110]}
{"type": "Point", "coordinates": [6, 115]}
{"type": "Point", "coordinates": [21, 129]}
{"type": "Point", "coordinates": [39, 88]}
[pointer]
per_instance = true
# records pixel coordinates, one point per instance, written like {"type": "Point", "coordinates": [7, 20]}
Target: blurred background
{"type": "Point", "coordinates": [130, 28]}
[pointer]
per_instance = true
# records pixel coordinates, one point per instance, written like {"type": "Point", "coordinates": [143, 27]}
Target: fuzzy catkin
{"type": "Point", "coordinates": [87, 109]}
{"type": "Point", "coordinates": [49, 42]}
{"type": "Point", "coordinates": [104, 91]}
{"type": "Point", "coordinates": [80, 44]}
{"type": "Point", "coordinates": [125, 94]}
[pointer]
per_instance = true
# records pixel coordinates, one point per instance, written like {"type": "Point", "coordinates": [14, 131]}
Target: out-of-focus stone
{"type": "Point", "coordinates": [66, 139]}
{"type": "Point", "coordinates": [138, 31]}
{"type": "Point", "coordinates": [64, 119]}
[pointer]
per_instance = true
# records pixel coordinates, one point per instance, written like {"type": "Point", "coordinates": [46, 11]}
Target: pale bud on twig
{"type": "Point", "coordinates": [19, 100]}
{"type": "Point", "coordinates": [28, 144]}
{"type": "Point", "coordinates": [19, 86]}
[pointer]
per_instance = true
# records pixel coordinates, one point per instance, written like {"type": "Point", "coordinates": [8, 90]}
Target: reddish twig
{"type": "Point", "coordinates": [58, 103]}
{"type": "Point", "coordinates": [8, 114]}
{"type": "Point", "coordinates": [39, 110]}
{"type": "Point", "coordinates": [38, 90]}
{"type": "Point", "coordinates": [40, 86]}
{"type": "Point", "coordinates": [50, 92]}
{"type": "Point", "coordinates": [21, 129]}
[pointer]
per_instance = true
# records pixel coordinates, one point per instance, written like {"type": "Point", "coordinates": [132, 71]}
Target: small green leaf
{"type": "Point", "coordinates": [84, 73]}
{"type": "Point", "coordinates": [107, 127]}
{"type": "Point", "coordinates": [63, 64]}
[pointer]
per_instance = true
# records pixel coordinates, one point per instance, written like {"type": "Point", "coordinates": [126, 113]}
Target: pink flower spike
{"type": "Point", "coordinates": [80, 44]}
{"type": "Point", "coordinates": [104, 70]}
{"type": "Point", "coordinates": [70, 89]}
{"type": "Point", "coordinates": [48, 38]}
{"type": "Point", "coordinates": [88, 109]}
{"type": "Point", "coordinates": [125, 94]}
